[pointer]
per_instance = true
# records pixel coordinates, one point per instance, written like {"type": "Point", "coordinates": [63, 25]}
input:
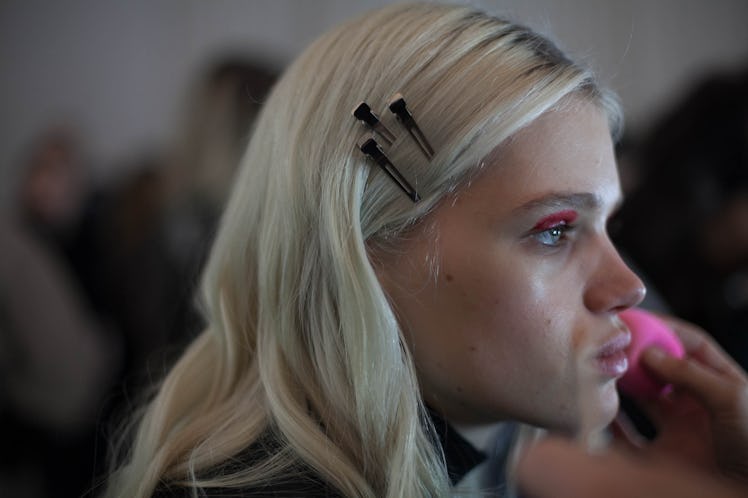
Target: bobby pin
{"type": "Point", "coordinates": [364, 113]}
{"type": "Point", "coordinates": [371, 148]}
{"type": "Point", "coordinates": [400, 109]}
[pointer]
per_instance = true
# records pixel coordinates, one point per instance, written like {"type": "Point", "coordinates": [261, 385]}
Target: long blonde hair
{"type": "Point", "coordinates": [301, 339]}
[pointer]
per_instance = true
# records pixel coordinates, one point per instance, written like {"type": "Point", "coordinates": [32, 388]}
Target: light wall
{"type": "Point", "coordinates": [120, 70]}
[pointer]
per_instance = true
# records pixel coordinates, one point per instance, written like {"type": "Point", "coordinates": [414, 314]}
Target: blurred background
{"type": "Point", "coordinates": [121, 124]}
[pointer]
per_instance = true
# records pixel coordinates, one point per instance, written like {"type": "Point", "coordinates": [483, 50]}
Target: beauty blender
{"type": "Point", "coordinates": [646, 331]}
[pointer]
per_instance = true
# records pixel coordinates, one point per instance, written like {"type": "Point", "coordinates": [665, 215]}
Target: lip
{"type": "Point", "coordinates": [619, 343]}
{"type": "Point", "coordinates": [611, 358]}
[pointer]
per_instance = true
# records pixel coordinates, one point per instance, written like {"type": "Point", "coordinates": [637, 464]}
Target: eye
{"type": "Point", "coordinates": [551, 231]}
{"type": "Point", "coordinates": [553, 236]}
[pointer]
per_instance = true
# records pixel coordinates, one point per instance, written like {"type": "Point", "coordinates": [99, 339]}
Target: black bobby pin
{"type": "Point", "coordinates": [371, 148]}
{"type": "Point", "coordinates": [399, 108]}
{"type": "Point", "coordinates": [364, 113]}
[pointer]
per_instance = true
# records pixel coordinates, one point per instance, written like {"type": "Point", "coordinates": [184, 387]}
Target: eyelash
{"type": "Point", "coordinates": [559, 232]}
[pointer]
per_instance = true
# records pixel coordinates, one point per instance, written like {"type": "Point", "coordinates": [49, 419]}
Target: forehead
{"type": "Point", "coordinates": [566, 151]}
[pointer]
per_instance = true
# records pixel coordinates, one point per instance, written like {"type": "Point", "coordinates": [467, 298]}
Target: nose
{"type": "Point", "coordinates": [612, 286]}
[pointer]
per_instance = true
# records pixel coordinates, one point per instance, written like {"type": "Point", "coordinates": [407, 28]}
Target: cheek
{"type": "Point", "coordinates": [531, 330]}
{"type": "Point", "coordinates": [508, 320]}
{"type": "Point", "coordinates": [518, 305]}
{"type": "Point", "coordinates": [489, 317]}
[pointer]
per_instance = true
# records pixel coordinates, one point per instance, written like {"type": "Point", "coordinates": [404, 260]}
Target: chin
{"type": "Point", "coordinates": [600, 413]}
{"type": "Point", "coordinates": [609, 403]}
{"type": "Point", "coordinates": [560, 422]}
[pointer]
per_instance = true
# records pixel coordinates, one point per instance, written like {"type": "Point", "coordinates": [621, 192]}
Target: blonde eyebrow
{"type": "Point", "coordinates": [580, 200]}
{"type": "Point", "coordinates": [577, 200]}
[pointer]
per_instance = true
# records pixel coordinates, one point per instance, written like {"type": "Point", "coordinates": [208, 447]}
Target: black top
{"type": "Point", "coordinates": [460, 455]}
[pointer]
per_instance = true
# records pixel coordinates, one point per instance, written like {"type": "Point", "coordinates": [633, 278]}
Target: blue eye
{"type": "Point", "coordinates": [553, 236]}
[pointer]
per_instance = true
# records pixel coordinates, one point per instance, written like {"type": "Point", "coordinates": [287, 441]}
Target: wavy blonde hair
{"type": "Point", "coordinates": [301, 339]}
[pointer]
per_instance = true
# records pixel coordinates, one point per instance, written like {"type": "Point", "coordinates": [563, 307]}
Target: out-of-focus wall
{"type": "Point", "coordinates": [120, 70]}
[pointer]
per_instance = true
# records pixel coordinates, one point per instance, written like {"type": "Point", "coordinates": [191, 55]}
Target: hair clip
{"type": "Point", "coordinates": [371, 148]}
{"type": "Point", "coordinates": [400, 109]}
{"type": "Point", "coordinates": [364, 113]}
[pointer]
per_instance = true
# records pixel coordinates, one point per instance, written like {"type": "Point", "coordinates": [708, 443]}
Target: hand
{"type": "Point", "coordinates": [558, 468]}
{"type": "Point", "coordinates": [704, 421]}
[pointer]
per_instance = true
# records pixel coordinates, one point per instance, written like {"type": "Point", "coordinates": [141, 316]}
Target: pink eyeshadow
{"type": "Point", "coordinates": [560, 218]}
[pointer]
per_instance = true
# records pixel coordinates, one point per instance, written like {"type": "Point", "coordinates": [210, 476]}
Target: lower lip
{"type": "Point", "coordinates": [613, 365]}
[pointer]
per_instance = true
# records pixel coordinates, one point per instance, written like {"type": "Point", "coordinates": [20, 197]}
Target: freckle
{"type": "Point", "coordinates": [459, 389]}
{"type": "Point", "coordinates": [473, 348]}
{"type": "Point", "coordinates": [449, 277]}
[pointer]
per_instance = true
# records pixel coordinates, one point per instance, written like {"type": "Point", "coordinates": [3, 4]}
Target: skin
{"type": "Point", "coordinates": [558, 468]}
{"type": "Point", "coordinates": [511, 317]}
{"type": "Point", "coordinates": [702, 443]}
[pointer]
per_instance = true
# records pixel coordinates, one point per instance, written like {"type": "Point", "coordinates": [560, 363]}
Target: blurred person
{"type": "Point", "coordinates": [61, 208]}
{"type": "Point", "coordinates": [160, 218]}
{"type": "Point", "coordinates": [163, 213]}
{"type": "Point", "coordinates": [685, 222]}
{"type": "Point", "coordinates": [137, 286]}
{"type": "Point", "coordinates": [57, 216]}
{"type": "Point", "coordinates": [130, 250]}
{"type": "Point", "coordinates": [559, 468]}
{"type": "Point", "coordinates": [200, 167]}
{"type": "Point", "coordinates": [56, 365]}
{"type": "Point", "coordinates": [54, 186]}
{"type": "Point", "coordinates": [220, 110]}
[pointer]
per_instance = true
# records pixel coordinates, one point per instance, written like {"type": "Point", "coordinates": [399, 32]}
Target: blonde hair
{"type": "Point", "coordinates": [301, 339]}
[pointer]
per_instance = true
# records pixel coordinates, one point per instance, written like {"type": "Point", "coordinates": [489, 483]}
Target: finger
{"type": "Point", "coordinates": [706, 385]}
{"type": "Point", "coordinates": [702, 346]}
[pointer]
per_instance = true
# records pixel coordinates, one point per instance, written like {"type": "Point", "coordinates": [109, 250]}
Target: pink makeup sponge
{"type": "Point", "coordinates": [646, 331]}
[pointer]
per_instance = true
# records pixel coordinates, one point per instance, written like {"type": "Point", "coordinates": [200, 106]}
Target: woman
{"type": "Point", "coordinates": [375, 331]}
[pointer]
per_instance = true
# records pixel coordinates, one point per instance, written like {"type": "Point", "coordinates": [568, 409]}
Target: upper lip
{"type": "Point", "coordinates": [618, 343]}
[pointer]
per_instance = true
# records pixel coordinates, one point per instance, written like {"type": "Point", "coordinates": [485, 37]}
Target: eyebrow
{"type": "Point", "coordinates": [580, 200]}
